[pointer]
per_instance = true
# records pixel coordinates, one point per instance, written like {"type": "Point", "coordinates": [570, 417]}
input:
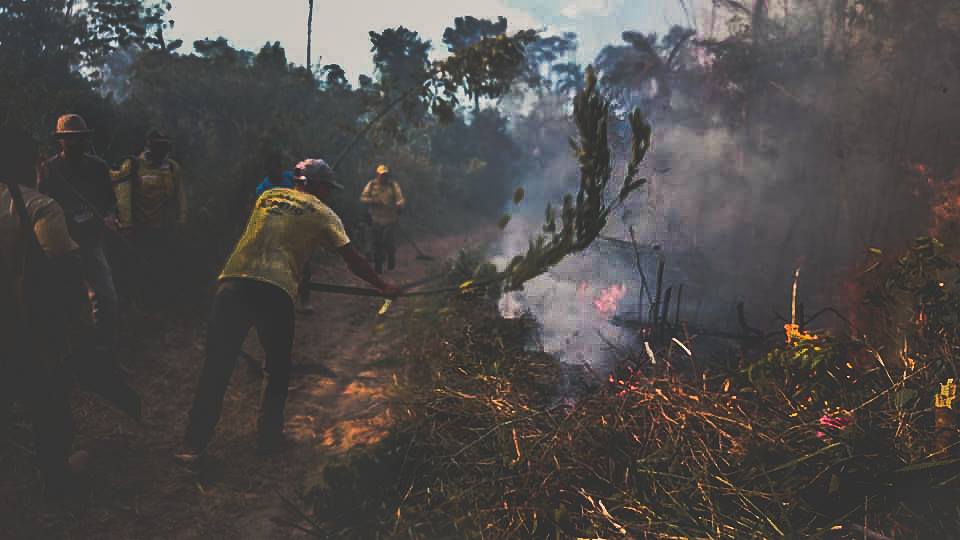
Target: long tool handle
{"type": "Point", "coordinates": [409, 239]}
{"type": "Point", "coordinates": [366, 291]}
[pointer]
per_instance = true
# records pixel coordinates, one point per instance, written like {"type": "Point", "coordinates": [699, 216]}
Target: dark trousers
{"type": "Point", "coordinates": [239, 305]}
{"type": "Point", "coordinates": [103, 295]}
{"type": "Point", "coordinates": [156, 276]}
{"type": "Point", "coordinates": [384, 246]}
{"type": "Point", "coordinates": [45, 395]}
{"type": "Point", "coordinates": [303, 290]}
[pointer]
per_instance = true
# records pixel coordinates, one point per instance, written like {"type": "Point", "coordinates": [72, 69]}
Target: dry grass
{"type": "Point", "coordinates": [485, 447]}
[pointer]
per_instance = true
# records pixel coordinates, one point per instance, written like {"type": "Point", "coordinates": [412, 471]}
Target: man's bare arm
{"type": "Point", "coordinates": [361, 268]}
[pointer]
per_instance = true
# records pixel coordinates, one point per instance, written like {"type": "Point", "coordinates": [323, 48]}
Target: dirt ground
{"type": "Point", "coordinates": [138, 491]}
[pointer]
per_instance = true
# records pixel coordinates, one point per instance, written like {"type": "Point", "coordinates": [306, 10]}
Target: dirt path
{"type": "Point", "coordinates": [139, 492]}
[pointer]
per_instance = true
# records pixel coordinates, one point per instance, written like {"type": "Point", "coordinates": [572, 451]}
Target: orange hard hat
{"type": "Point", "coordinates": [71, 124]}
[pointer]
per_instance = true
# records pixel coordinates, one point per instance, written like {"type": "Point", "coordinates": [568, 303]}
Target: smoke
{"type": "Point", "coordinates": [573, 304]}
{"type": "Point", "coordinates": [807, 166]}
{"type": "Point", "coordinates": [116, 74]}
{"type": "Point", "coordinates": [576, 300]}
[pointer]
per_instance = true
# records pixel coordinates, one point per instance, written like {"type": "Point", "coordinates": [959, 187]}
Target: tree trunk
{"type": "Point", "coordinates": [310, 36]}
{"type": "Point", "coordinates": [759, 20]}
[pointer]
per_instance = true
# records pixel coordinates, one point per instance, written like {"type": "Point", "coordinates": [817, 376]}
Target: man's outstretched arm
{"type": "Point", "coordinates": [361, 268]}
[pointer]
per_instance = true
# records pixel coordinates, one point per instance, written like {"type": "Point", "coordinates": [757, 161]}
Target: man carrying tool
{"type": "Point", "coordinates": [80, 183]}
{"type": "Point", "coordinates": [152, 204]}
{"type": "Point", "coordinates": [386, 201]}
{"type": "Point", "coordinates": [41, 293]}
{"type": "Point", "coordinates": [277, 177]}
{"type": "Point", "coordinates": [258, 287]}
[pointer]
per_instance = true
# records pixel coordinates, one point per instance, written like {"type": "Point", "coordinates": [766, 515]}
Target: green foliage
{"type": "Point", "coordinates": [400, 59]}
{"type": "Point", "coordinates": [583, 217]}
{"type": "Point", "coordinates": [115, 25]}
{"type": "Point", "coordinates": [468, 31]}
{"type": "Point", "coordinates": [542, 55]}
{"type": "Point", "coordinates": [481, 172]}
{"type": "Point", "coordinates": [44, 44]}
{"type": "Point", "coordinates": [569, 78]}
{"type": "Point", "coordinates": [204, 101]}
{"type": "Point", "coordinates": [814, 372]}
{"type": "Point", "coordinates": [630, 70]}
{"type": "Point", "coordinates": [487, 68]}
{"type": "Point", "coordinates": [482, 448]}
{"type": "Point", "coordinates": [919, 299]}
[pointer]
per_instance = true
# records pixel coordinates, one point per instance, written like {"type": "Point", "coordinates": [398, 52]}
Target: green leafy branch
{"type": "Point", "coordinates": [582, 217]}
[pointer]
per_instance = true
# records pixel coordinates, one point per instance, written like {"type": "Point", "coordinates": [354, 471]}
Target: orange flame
{"type": "Point", "coordinates": [606, 303]}
{"type": "Point", "coordinates": [794, 333]}
{"type": "Point", "coordinates": [944, 200]}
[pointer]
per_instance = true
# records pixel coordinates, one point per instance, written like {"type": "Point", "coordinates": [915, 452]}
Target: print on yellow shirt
{"type": "Point", "coordinates": [284, 229]}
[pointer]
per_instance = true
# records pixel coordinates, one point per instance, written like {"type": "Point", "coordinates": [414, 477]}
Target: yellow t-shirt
{"type": "Point", "coordinates": [155, 198]}
{"type": "Point", "coordinates": [384, 201]}
{"type": "Point", "coordinates": [284, 230]}
{"type": "Point", "coordinates": [50, 228]}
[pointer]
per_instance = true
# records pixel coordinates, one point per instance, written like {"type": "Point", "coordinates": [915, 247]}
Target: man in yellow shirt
{"type": "Point", "coordinates": [151, 204]}
{"type": "Point", "coordinates": [150, 193]}
{"type": "Point", "coordinates": [385, 200]}
{"type": "Point", "coordinates": [258, 288]}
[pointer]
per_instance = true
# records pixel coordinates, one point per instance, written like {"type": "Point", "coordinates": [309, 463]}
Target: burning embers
{"type": "Point", "coordinates": [606, 301]}
{"type": "Point", "coordinates": [574, 315]}
{"type": "Point", "coordinates": [944, 199]}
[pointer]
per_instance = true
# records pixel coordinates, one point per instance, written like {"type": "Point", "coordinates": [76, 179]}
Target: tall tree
{"type": "Point", "coordinates": [642, 69]}
{"type": "Point", "coordinates": [400, 59]}
{"type": "Point", "coordinates": [469, 31]}
{"type": "Point", "coordinates": [543, 53]}
{"type": "Point", "coordinates": [310, 36]}
{"type": "Point", "coordinates": [42, 45]}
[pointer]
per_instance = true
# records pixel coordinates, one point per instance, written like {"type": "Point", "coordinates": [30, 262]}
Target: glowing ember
{"type": "Point", "coordinates": [795, 334]}
{"type": "Point", "coordinates": [606, 303]}
{"type": "Point", "coordinates": [922, 170]}
{"type": "Point", "coordinates": [834, 423]}
{"type": "Point", "coordinates": [944, 199]}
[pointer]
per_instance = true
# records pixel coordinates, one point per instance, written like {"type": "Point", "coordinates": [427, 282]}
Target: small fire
{"type": "Point", "coordinates": [835, 423]}
{"type": "Point", "coordinates": [922, 170]}
{"type": "Point", "coordinates": [944, 199]}
{"type": "Point", "coordinates": [606, 303]}
{"type": "Point", "coordinates": [795, 334]}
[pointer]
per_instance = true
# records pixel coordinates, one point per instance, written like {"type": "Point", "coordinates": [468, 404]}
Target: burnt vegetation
{"type": "Point", "coordinates": [769, 135]}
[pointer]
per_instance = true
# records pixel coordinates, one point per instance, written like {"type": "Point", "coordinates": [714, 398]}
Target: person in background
{"type": "Point", "coordinates": [385, 200]}
{"type": "Point", "coordinates": [258, 288]}
{"type": "Point", "coordinates": [80, 183]}
{"type": "Point", "coordinates": [152, 206]}
{"type": "Point", "coordinates": [278, 177]}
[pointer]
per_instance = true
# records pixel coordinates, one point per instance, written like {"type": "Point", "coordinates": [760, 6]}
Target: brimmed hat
{"type": "Point", "coordinates": [315, 170]}
{"type": "Point", "coordinates": [383, 169]}
{"type": "Point", "coordinates": [158, 135]}
{"type": "Point", "coordinates": [70, 125]}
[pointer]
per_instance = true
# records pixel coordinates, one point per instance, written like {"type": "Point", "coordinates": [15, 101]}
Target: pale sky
{"type": "Point", "coordinates": [340, 33]}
